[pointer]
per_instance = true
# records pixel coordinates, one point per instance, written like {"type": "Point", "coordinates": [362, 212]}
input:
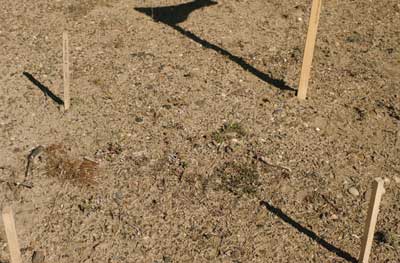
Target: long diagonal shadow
{"type": "Point", "coordinates": [173, 15]}
{"type": "Point", "coordinates": [278, 212]}
{"type": "Point", "coordinates": [44, 89]}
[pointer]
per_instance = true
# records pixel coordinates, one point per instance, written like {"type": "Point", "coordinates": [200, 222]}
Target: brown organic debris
{"type": "Point", "coordinates": [59, 164]}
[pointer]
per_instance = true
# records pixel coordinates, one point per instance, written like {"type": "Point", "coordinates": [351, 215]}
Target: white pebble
{"type": "Point", "coordinates": [354, 191]}
{"type": "Point", "coordinates": [397, 180]}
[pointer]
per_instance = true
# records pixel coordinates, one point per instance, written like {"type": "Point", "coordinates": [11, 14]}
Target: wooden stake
{"type": "Point", "coordinates": [9, 224]}
{"type": "Point", "coordinates": [369, 230]}
{"type": "Point", "coordinates": [309, 49]}
{"type": "Point", "coordinates": [66, 71]}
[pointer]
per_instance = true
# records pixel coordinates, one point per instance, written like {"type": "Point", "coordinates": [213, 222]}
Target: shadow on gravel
{"type": "Point", "coordinates": [278, 212]}
{"type": "Point", "coordinates": [44, 89]}
{"type": "Point", "coordinates": [173, 15]}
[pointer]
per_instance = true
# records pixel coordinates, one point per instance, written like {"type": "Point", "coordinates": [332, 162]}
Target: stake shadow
{"type": "Point", "coordinates": [44, 89]}
{"type": "Point", "coordinates": [173, 15]}
{"type": "Point", "coordinates": [278, 212]}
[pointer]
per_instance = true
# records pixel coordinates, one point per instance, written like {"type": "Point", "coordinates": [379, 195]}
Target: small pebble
{"type": "Point", "coordinates": [353, 191]}
{"type": "Point", "coordinates": [139, 119]}
{"type": "Point", "coordinates": [235, 141]}
{"type": "Point", "coordinates": [397, 180]}
{"type": "Point", "coordinates": [386, 180]}
{"type": "Point", "coordinates": [334, 217]}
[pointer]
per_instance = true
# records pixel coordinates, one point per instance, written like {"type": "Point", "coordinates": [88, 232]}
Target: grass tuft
{"type": "Point", "coordinates": [228, 131]}
{"type": "Point", "coordinates": [237, 178]}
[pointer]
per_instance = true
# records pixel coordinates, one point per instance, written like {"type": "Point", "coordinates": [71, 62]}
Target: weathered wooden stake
{"type": "Point", "coordinates": [66, 71]}
{"type": "Point", "coordinates": [9, 224]}
{"type": "Point", "coordinates": [369, 230]}
{"type": "Point", "coordinates": [309, 49]}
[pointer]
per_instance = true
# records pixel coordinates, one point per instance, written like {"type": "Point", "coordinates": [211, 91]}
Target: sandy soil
{"type": "Point", "coordinates": [185, 141]}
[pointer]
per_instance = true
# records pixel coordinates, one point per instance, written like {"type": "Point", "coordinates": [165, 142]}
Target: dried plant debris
{"type": "Point", "coordinates": [59, 164]}
{"type": "Point", "coordinates": [391, 109]}
{"type": "Point", "coordinates": [76, 9]}
{"type": "Point", "coordinates": [387, 237]}
{"type": "Point", "coordinates": [37, 151]}
{"type": "Point", "coordinates": [110, 152]}
{"type": "Point", "coordinates": [228, 131]}
{"type": "Point", "coordinates": [236, 178]}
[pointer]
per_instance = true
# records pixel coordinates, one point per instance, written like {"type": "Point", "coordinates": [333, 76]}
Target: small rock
{"type": "Point", "coordinates": [236, 141]}
{"type": "Point", "coordinates": [118, 196]}
{"type": "Point", "coordinates": [386, 180]}
{"type": "Point", "coordinates": [353, 191]}
{"type": "Point", "coordinates": [397, 180]}
{"type": "Point", "coordinates": [277, 111]}
{"type": "Point", "coordinates": [334, 217]}
{"type": "Point", "coordinates": [139, 119]}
